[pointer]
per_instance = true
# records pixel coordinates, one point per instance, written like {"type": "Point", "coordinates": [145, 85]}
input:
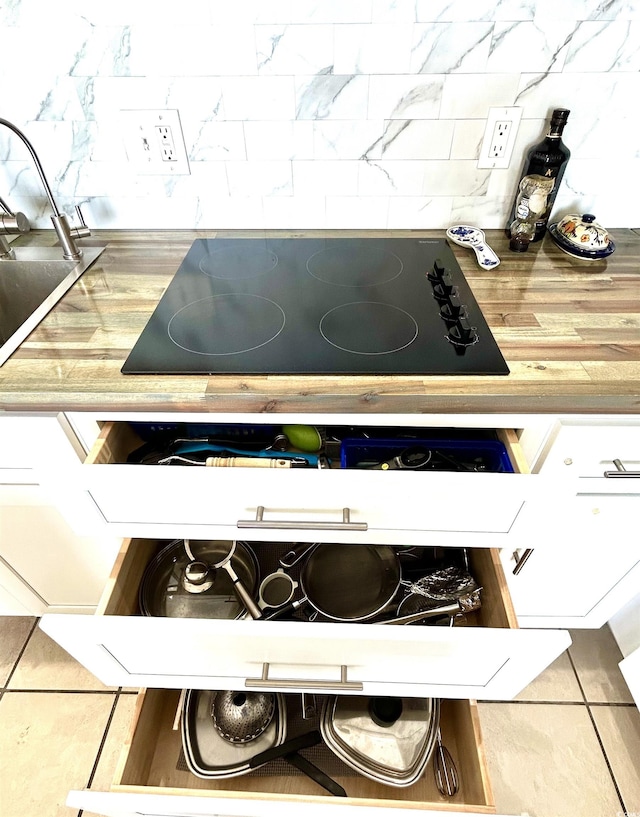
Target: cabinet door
{"type": "Point", "coordinates": [36, 542]}
{"type": "Point", "coordinates": [584, 584]}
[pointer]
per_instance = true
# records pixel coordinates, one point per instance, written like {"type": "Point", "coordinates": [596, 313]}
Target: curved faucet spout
{"type": "Point", "coordinates": [66, 234]}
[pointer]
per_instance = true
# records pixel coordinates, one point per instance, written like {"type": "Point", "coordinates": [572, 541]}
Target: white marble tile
{"type": "Point", "coordinates": [279, 140]}
{"type": "Point", "coordinates": [393, 11]}
{"type": "Point", "coordinates": [347, 140]}
{"type": "Point", "coordinates": [414, 139]}
{"type": "Point", "coordinates": [331, 11]}
{"type": "Point", "coordinates": [259, 97]}
{"type": "Point", "coordinates": [144, 212]}
{"type": "Point", "coordinates": [294, 212]}
{"type": "Point", "coordinates": [467, 140]}
{"type": "Point", "coordinates": [473, 10]}
{"type": "Point", "coordinates": [605, 46]}
{"type": "Point", "coordinates": [328, 96]}
{"type": "Point", "coordinates": [325, 178]}
{"type": "Point", "coordinates": [405, 96]}
{"type": "Point", "coordinates": [488, 212]}
{"type": "Point", "coordinates": [218, 213]}
{"type": "Point", "coordinates": [357, 213]}
{"type": "Point", "coordinates": [469, 96]}
{"type": "Point", "coordinates": [373, 49]}
{"type": "Point", "coordinates": [538, 94]}
{"type": "Point", "coordinates": [419, 212]}
{"type": "Point", "coordinates": [391, 178]}
{"type": "Point", "coordinates": [253, 178]}
{"type": "Point", "coordinates": [455, 178]}
{"type": "Point", "coordinates": [294, 49]}
{"type": "Point", "coordinates": [527, 47]}
{"type": "Point", "coordinates": [440, 48]}
{"type": "Point", "coordinates": [216, 141]}
{"type": "Point", "coordinates": [588, 10]}
{"type": "Point", "coordinates": [169, 50]}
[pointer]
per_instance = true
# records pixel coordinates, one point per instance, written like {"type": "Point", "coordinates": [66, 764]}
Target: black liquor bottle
{"type": "Point", "coordinates": [548, 159]}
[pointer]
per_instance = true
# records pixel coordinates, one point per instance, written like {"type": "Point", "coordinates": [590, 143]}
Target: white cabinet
{"type": "Point", "coordinates": [44, 564]}
{"type": "Point", "coordinates": [590, 564]}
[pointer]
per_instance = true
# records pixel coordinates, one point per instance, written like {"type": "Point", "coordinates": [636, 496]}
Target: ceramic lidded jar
{"type": "Point", "coordinates": [582, 237]}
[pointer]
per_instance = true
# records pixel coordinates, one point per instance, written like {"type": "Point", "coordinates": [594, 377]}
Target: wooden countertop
{"type": "Point", "coordinates": [568, 329]}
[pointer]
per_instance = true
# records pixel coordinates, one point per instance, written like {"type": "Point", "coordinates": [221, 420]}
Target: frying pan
{"type": "Point", "coordinates": [347, 582]}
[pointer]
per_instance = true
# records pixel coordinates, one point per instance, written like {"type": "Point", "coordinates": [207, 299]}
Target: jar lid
{"type": "Point", "coordinates": [582, 237]}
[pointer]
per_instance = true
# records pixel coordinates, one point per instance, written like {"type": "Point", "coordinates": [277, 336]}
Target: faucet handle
{"type": "Point", "coordinates": [11, 223]}
{"type": "Point", "coordinates": [82, 231]}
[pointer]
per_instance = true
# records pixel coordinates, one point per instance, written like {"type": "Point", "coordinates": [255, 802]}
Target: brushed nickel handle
{"type": "Point", "coordinates": [281, 524]}
{"type": "Point", "coordinates": [296, 683]}
{"type": "Point", "coordinates": [621, 471]}
{"type": "Point", "coordinates": [521, 560]}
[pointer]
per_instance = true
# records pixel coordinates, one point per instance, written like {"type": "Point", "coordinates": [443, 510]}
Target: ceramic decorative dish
{"type": "Point", "coordinates": [582, 237]}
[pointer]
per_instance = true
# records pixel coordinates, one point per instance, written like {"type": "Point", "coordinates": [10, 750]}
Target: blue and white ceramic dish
{"type": "Point", "coordinates": [582, 237]}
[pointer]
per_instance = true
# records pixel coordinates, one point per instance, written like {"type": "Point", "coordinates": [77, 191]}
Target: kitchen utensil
{"type": "Point", "coordinates": [297, 553]}
{"type": "Point", "coordinates": [465, 604]}
{"type": "Point", "coordinates": [444, 769]}
{"type": "Point", "coordinates": [164, 591]}
{"type": "Point", "coordinates": [276, 590]}
{"type": "Point", "coordinates": [582, 237]}
{"type": "Point", "coordinates": [241, 717]}
{"type": "Point", "coordinates": [386, 739]}
{"type": "Point", "coordinates": [348, 582]}
{"type": "Point", "coordinates": [224, 563]}
{"type": "Point", "coordinates": [472, 237]}
{"type": "Point", "coordinates": [208, 754]}
{"type": "Point", "coordinates": [446, 584]}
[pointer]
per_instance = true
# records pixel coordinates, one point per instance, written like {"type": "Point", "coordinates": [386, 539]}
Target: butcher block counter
{"type": "Point", "coordinates": [568, 329]}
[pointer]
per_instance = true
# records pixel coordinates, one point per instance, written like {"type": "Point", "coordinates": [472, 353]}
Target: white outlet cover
{"type": "Point", "coordinates": [139, 130]}
{"type": "Point", "coordinates": [512, 115]}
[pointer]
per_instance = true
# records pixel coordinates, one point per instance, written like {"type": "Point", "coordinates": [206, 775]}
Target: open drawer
{"type": "Point", "coordinates": [488, 657]}
{"type": "Point", "coordinates": [477, 508]}
{"type": "Point", "coordinates": [152, 779]}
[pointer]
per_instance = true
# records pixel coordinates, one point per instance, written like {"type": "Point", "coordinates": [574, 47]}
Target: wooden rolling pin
{"type": "Point", "coordinates": [247, 462]}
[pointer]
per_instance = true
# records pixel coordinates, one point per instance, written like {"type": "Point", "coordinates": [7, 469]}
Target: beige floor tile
{"type": "Point", "coordinates": [619, 729]}
{"type": "Point", "coordinates": [48, 745]}
{"type": "Point", "coordinates": [45, 665]}
{"type": "Point", "coordinates": [14, 631]}
{"type": "Point", "coordinates": [118, 733]}
{"type": "Point", "coordinates": [596, 656]}
{"type": "Point", "coordinates": [545, 761]}
{"type": "Point", "coordinates": [557, 683]}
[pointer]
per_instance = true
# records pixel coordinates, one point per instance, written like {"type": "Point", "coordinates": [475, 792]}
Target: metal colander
{"type": "Point", "coordinates": [240, 717]}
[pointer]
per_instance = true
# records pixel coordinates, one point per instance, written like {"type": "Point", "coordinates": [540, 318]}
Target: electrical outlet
{"type": "Point", "coordinates": [154, 143]}
{"type": "Point", "coordinates": [499, 137]}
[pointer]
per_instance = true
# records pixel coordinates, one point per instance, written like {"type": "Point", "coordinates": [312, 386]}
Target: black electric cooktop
{"type": "Point", "coordinates": [317, 306]}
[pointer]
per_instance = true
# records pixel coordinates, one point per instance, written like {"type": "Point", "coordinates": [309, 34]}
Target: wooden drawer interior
{"type": "Point", "coordinates": [120, 597]}
{"type": "Point", "coordinates": [151, 763]}
{"type": "Point", "coordinates": [118, 439]}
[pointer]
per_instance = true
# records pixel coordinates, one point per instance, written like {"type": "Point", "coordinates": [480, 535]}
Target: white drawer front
{"type": "Point", "coordinates": [586, 452]}
{"type": "Point", "coordinates": [383, 507]}
{"type": "Point", "coordinates": [459, 662]}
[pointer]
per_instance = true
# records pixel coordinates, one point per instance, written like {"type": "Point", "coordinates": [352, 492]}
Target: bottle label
{"type": "Point", "coordinates": [522, 210]}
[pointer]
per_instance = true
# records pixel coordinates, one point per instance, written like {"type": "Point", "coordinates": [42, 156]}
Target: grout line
{"type": "Point", "coordinates": [606, 760]}
{"type": "Point", "coordinates": [104, 740]}
{"type": "Point", "coordinates": [20, 654]}
{"type": "Point", "coordinates": [65, 691]}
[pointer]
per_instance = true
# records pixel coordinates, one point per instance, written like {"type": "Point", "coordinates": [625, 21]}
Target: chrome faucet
{"type": "Point", "coordinates": [10, 223]}
{"type": "Point", "coordinates": [66, 233]}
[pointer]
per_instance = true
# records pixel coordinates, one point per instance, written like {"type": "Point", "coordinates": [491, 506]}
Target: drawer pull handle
{"type": "Point", "coordinates": [621, 471]}
{"type": "Point", "coordinates": [296, 683]}
{"type": "Point", "coordinates": [521, 560]}
{"type": "Point", "coordinates": [281, 524]}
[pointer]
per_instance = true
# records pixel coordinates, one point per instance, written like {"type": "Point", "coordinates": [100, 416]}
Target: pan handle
{"type": "Point", "coordinates": [281, 524]}
{"type": "Point", "coordinates": [297, 683]}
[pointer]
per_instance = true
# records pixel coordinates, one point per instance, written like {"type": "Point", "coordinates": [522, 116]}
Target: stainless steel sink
{"type": "Point", "coordinates": [30, 286]}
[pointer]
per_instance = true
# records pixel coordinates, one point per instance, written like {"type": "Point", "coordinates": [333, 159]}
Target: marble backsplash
{"type": "Point", "coordinates": [317, 113]}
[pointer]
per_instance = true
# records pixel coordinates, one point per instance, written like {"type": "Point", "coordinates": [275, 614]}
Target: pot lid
{"type": "Point", "coordinates": [582, 237]}
{"type": "Point", "coordinates": [170, 586]}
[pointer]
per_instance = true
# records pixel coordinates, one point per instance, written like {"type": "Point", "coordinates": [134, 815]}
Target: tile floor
{"type": "Point", "coordinates": [568, 745]}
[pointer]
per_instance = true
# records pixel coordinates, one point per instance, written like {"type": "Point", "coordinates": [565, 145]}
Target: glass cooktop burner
{"type": "Point", "coordinates": [317, 306]}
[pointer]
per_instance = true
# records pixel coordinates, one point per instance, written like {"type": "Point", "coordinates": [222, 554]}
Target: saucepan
{"type": "Point", "coordinates": [347, 582]}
